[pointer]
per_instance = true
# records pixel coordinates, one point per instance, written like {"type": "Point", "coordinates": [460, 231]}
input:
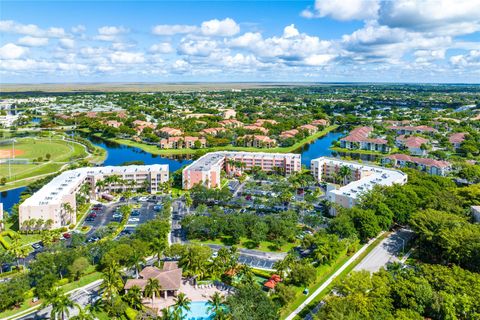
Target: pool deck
{"type": "Point", "coordinates": [201, 293]}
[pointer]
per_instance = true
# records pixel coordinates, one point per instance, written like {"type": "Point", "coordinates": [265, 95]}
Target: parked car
{"type": "Point", "coordinates": [134, 220]}
{"type": "Point", "coordinates": [67, 235]}
{"type": "Point", "coordinates": [93, 214]}
{"type": "Point", "coordinates": [157, 207]}
{"type": "Point", "coordinates": [37, 246]}
{"type": "Point", "coordinates": [143, 199]}
{"type": "Point", "coordinates": [135, 213]}
{"type": "Point", "coordinates": [90, 219]}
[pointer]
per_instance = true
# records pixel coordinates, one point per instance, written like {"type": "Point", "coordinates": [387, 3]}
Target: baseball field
{"type": "Point", "coordinates": [30, 157]}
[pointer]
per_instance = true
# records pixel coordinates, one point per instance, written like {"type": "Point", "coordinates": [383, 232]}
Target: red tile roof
{"type": "Point", "coordinates": [458, 137]}
{"type": "Point", "coordinates": [417, 160]}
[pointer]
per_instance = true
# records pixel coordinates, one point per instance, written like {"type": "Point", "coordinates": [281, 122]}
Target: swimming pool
{"type": "Point", "coordinates": [198, 311]}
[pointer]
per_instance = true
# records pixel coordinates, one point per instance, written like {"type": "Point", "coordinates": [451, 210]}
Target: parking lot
{"type": "Point", "coordinates": [256, 262]}
{"type": "Point", "coordinates": [143, 211]}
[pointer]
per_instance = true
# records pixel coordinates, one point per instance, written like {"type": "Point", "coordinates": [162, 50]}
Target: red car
{"type": "Point", "coordinates": [93, 215]}
{"type": "Point", "coordinates": [67, 235]}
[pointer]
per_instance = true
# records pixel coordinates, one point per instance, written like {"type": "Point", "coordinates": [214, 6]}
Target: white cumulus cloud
{"type": "Point", "coordinates": [124, 57]}
{"type": "Point", "coordinates": [163, 47]}
{"type": "Point", "coordinates": [226, 27]}
{"type": "Point", "coordinates": [172, 29]}
{"type": "Point", "coordinates": [12, 51]}
{"type": "Point", "coordinates": [343, 9]}
{"type": "Point", "coordinates": [33, 41]}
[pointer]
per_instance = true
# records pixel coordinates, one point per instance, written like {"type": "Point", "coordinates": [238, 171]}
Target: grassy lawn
{"type": "Point", "coordinates": [31, 149]}
{"type": "Point", "coordinates": [153, 149]}
{"type": "Point", "coordinates": [245, 243]}
{"type": "Point", "coordinates": [24, 238]}
{"type": "Point", "coordinates": [342, 275]}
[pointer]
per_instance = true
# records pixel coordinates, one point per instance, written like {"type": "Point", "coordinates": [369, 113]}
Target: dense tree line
{"type": "Point", "coordinates": [423, 292]}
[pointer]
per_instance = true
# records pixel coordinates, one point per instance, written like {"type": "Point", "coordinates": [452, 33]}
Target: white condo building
{"type": "Point", "coordinates": [50, 202]}
{"type": "Point", "coordinates": [362, 179]}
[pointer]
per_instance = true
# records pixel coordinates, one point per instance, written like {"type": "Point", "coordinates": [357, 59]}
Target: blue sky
{"type": "Point", "coordinates": [162, 41]}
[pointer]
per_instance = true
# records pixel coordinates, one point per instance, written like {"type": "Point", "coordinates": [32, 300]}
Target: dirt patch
{"type": "Point", "coordinates": [8, 153]}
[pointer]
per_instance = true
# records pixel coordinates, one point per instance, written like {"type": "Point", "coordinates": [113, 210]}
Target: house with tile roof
{"type": "Point", "coordinates": [414, 145]}
{"type": "Point", "coordinates": [359, 139]}
{"type": "Point", "coordinates": [431, 166]}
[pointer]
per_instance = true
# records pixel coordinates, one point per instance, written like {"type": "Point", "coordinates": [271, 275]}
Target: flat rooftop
{"type": "Point", "coordinates": [209, 160]}
{"type": "Point", "coordinates": [67, 181]}
{"type": "Point", "coordinates": [373, 175]}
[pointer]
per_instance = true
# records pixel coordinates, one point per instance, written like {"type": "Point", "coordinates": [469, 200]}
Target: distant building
{"type": "Point", "coordinates": [207, 169]}
{"type": "Point", "coordinates": [169, 132]}
{"type": "Point", "coordinates": [212, 131]}
{"type": "Point", "coordinates": [409, 130]}
{"type": "Point", "coordinates": [229, 114]}
{"type": "Point", "coordinates": [311, 129]}
{"type": "Point", "coordinates": [289, 134]}
{"type": "Point", "coordinates": [256, 141]}
{"type": "Point", "coordinates": [320, 122]}
{"type": "Point", "coordinates": [231, 123]}
{"type": "Point", "coordinates": [431, 166]}
{"type": "Point", "coordinates": [413, 144]}
{"type": "Point", "coordinates": [181, 142]}
{"type": "Point", "coordinates": [358, 139]}
{"type": "Point", "coordinates": [113, 123]}
{"type": "Point", "coordinates": [8, 120]}
{"type": "Point", "coordinates": [456, 139]}
{"type": "Point", "coordinates": [261, 122]}
{"type": "Point", "coordinates": [362, 178]}
{"type": "Point", "coordinates": [256, 128]}
{"type": "Point", "coordinates": [53, 199]}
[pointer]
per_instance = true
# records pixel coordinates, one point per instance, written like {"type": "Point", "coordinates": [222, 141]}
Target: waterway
{"type": "Point", "coordinates": [118, 154]}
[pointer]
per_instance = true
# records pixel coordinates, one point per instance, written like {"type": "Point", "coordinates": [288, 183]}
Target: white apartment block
{"type": "Point", "coordinates": [8, 120]}
{"type": "Point", "coordinates": [207, 169]}
{"type": "Point", "coordinates": [50, 201]}
{"type": "Point", "coordinates": [362, 179]}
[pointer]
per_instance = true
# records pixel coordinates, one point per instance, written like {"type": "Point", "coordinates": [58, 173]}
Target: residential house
{"type": "Point", "coordinates": [229, 114]}
{"type": "Point", "coordinates": [113, 123]}
{"type": "Point", "coordinates": [409, 130]}
{"type": "Point", "coordinates": [212, 131]}
{"type": "Point", "coordinates": [261, 122]}
{"type": "Point", "coordinates": [256, 141]}
{"type": "Point", "coordinates": [169, 132]}
{"type": "Point", "coordinates": [431, 166]}
{"type": "Point", "coordinates": [358, 139]}
{"type": "Point", "coordinates": [181, 142]}
{"type": "Point", "coordinates": [456, 139]}
{"type": "Point", "coordinates": [415, 145]}
{"type": "Point", "coordinates": [231, 123]}
{"type": "Point", "coordinates": [311, 129]}
{"type": "Point", "coordinates": [289, 134]}
{"type": "Point", "coordinates": [320, 122]}
{"type": "Point", "coordinates": [256, 128]}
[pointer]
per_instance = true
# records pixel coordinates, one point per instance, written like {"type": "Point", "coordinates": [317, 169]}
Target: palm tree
{"type": "Point", "coordinates": [83, 313]}
{"type": "Point", "coordinates": [169, 314]}
{"type": "Point", "coordinates": [48, 224]}
{"type": "Point", "coordinates": [344, 173]}
{"type": "Point", "coordinates": [137, 261]}
{"type": "Point", "coordinates": [152, 289]}
{"type": "Point", "coordinates": [112, 281]}
{"type": "Point", "coordinates": [60, 304]}
{"type": "Point", "coordinates": [158, 246]}
{"type": "Point", "coordinates": [215, 303]}
{"type": "Point", "coordinates": [134, 298]}
{"type": "Point", "coordinates": [67, 207]}
{"type": "Point", "coordinates": [182, 303]}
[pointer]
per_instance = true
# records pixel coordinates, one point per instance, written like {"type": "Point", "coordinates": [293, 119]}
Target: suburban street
{"type": "Point", "coordinates": [386, 252]}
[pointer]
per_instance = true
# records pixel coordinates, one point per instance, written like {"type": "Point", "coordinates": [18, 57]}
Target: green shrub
{"type": "Point", "coordinates": [131, 313]}
{"type": "Point", "coordinates": [62, 282]}
{"type": "Point", "coordinates": [4, 243]}
{"type": "Point", "coordinates": [71, 227]}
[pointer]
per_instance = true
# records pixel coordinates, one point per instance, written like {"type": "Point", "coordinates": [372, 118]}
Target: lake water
{"type": "Point", "coordinates": [10, 197]}
{"type": "Point", "coordinates": [118, 154]}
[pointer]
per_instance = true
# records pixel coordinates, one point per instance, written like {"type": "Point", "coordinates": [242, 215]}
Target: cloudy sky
{"type": "Point", "coordinates": [317, 40]}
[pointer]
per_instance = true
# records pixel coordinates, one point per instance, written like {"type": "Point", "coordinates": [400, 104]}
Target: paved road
{"type": "Point", "coordinates": [387, 251]}
{"type": "Point", "coordinates": [82, 297]}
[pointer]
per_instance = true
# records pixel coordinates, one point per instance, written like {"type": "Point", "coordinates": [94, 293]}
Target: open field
{"type": "Point", "coordinates": [145, 86]}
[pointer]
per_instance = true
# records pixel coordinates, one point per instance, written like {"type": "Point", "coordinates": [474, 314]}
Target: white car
{"type": "Point", "coordinates": [143, 199]}
{"type": "Point", "coordinates": [133, 220]}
